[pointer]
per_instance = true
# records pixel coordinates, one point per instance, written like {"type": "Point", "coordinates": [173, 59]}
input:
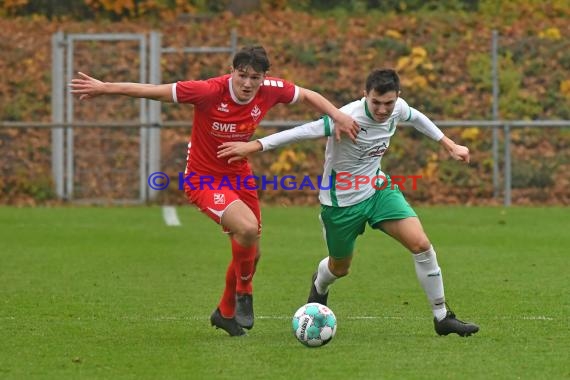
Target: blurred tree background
{"type": "Point", "coordinates": [441, 50]}
{"type": "Point", "coordinates": [123, 9]}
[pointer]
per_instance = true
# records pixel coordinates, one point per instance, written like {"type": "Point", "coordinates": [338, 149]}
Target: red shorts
{"type": "Point", "coordinates": [214, 201]}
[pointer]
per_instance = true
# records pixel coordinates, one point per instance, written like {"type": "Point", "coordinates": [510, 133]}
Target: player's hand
{"type": "Point", "coordinates": [237, 150]}
{"type": "Point", "coordinates": [86, 87]}
{"type": "Point", "coordinates": [345, 124]}
{"type": "Point", "coordinates": [459, 153]}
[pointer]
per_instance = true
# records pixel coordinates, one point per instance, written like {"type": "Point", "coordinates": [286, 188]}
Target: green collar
{"type": "Point", "coordinates": [367, 111]}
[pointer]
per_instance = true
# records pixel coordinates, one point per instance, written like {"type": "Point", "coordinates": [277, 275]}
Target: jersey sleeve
{"type": "Point", "coordinates": [281, 90]}
{"type": "Point", "coordinates": [423, 124]}
{"type": "Point", "coordinates": [193, 91]}
{"type": "Point", "coordinates": [312, 130]}
{"type": "Point", "coordinates": [420, 121]}
{"type": "Point", "coordinates": [404, 110]}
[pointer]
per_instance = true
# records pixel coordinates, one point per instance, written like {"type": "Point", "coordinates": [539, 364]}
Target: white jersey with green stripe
{"type": "Point", "coordinates": [352, 170]}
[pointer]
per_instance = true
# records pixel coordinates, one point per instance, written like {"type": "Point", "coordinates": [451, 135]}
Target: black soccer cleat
{"type": "Point", "coordinates": [450, 324]}
{"type": "Point", "coordinates": [314, 296]}
{"type": "Point", "coordinates": [229, 325]}
{"type": "Point", "coordinates": [244, 310]}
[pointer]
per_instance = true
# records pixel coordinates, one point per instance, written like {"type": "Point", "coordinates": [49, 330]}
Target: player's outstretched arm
{"type": "Point", "coordinates": [456, 151]}
{"type": "Point", "coordinates": [423, 124]}
{"type": "Point", "coordinates": [236, 150]}
{"type": "Point", "coordinates": [88, 87]}
{"type": "Point", "coordinates": [343, 122]}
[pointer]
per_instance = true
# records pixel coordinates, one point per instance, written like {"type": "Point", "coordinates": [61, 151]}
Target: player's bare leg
{"type": "Point", "coordinates": [409, 232]}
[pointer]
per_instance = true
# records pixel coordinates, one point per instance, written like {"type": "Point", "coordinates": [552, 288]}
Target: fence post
{"type": "Point", "coordinates": [154, 109]}
{"type": "Point", "coordinates": [508, 173]}
{"type": "Point", "coordinates": [69, 145]}
{"type": "Point", "coordinates": [234, 42]}
{"type": "Point", "coordinates": [143, 117]}
{"type": "Point", "coordinates": [57, 104]}
{"type": "Point", "coordinates": [495, 81]}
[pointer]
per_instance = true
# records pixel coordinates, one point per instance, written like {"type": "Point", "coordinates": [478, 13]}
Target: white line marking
{"type": "Point", "coordinates": [169, 318]}
{"type": "Point", "coordinates": [170, 216]}
{"type": "Point", "coordinates": [537, 318]}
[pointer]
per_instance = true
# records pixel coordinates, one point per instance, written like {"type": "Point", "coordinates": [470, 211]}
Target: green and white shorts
{"type": "Point", "coordinates": [342, 225]}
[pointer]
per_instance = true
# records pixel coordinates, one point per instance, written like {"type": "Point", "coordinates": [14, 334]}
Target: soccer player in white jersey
{"type": "Point", "coordinates": [359, 192]}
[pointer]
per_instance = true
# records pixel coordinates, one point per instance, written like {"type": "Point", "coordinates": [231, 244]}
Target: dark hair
{"type": "Point", "coordinates": [383, 81]}
{"type": "Point", "coordinates": [254, 56]}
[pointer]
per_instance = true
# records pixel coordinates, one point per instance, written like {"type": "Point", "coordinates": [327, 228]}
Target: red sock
{"type": "Point", "coordinates": [257, 256]}
{"type": "Point", "coordinates": [227, 304]}
{"type": "Point", "coordinates": [244, 259]}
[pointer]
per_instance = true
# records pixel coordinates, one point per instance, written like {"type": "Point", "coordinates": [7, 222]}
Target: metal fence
{"type": "Point", "coordinates": [135, 146]}
{"type": "Point", "coordinates": [147, 54]}
{"type": "Point", "coordinates": [127, 188]}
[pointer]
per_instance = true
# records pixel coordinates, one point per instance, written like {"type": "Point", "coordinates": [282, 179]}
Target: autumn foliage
{"type": "Point", "coordinates": [443, 59]}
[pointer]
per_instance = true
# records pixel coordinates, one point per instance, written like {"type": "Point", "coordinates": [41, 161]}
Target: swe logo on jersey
{"type": "Point", "coordinates": [224, 127]}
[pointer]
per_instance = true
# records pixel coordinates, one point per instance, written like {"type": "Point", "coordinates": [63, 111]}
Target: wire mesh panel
{"type": "Point", "coordinates": [106, 163]}
{"type": "Point", "coordinates": [25, 175]}
{"type": "Point", "coordinates": [539, 166]}
{"type": "Point", "coordinates": [112, 162]}
{"type": "Point", "coordinates": [533, 87]}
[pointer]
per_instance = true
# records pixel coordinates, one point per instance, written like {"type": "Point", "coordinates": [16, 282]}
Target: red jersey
{"type": "Point", "coordinates": [219, 117]}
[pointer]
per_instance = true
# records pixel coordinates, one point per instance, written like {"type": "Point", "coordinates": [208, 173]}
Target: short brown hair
{"type": "Point", "coordinates": [254, 56]}
{"type": "Point", "coordinates": [383, 81]}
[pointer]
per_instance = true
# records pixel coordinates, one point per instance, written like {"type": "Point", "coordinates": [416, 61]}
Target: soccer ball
{"type": "Point", "coordinates": [314, 325]}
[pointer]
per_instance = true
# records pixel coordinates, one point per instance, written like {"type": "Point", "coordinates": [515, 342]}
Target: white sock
{"type": "Point", "coordinates": [429, 275]}
{"type": "Point", "coordinates": [325, 277]}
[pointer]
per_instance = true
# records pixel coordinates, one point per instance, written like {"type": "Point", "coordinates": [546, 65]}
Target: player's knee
{"type": "Point", "coordinates": [419, 245]}
{"type": "Point", "coordinates": [247, 232]}
{"type": "Point", "coordinates": [340, 270]}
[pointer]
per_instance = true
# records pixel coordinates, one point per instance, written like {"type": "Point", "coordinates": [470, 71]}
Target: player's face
{"type": "Point", "coordinates": [381, 106]}
{"type": "Point", "coordinates": [246, 82]}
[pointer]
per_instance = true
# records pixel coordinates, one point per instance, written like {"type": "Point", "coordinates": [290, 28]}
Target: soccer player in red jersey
{"type": "Point", "coordinates": [226, 108]}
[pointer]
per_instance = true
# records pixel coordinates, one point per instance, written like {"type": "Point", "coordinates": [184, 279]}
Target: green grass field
{"type": "Point", "coordinates": [114, 293]}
